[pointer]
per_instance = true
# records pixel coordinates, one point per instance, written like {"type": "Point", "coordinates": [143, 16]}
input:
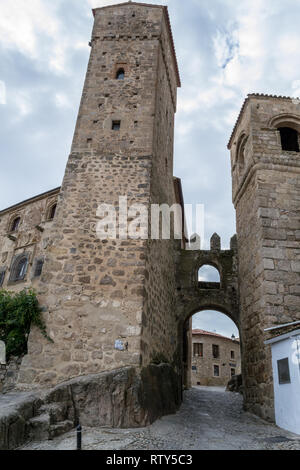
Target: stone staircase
{"type": "Point", "coordinates": [50, 422]}
{"type": "Point", "coordinates": [25, 417]}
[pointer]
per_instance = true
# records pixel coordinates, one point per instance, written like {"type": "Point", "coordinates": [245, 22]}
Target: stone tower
{"type": "Point", "coordinates": [265, 164]}
{"type": "Point", "coordinates": [108, 304]}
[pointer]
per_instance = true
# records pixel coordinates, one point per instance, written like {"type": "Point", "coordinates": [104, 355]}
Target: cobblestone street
{"type": "Point", "coordinates": [209, 419]}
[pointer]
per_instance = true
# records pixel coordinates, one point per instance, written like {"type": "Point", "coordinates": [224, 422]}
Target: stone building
{"type": "Point", "coordinates": [119, 310]}
{"type": "Point", "coordinates": [215, 358]}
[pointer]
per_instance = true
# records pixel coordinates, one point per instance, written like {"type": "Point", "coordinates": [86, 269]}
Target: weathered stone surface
{"type": "Point", "coordinates": [235, 384]}
{"type": "Point", "coordinates": [124, 398]}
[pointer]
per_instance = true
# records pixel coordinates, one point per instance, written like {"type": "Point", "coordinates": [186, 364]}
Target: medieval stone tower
{"type": "Point", "coordinates": [266, 193]}
{"type": "Point", "coordinates": [109, 304]}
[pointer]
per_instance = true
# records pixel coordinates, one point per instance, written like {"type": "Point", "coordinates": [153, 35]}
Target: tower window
{"type": "Point", "coordinates": [120, 74]}
{"type": "Point", "coordinates": [289, 139]}
{"type": "Point", "coordinates": [116, 125]}
{"type": "Point", "coordinates": [15, 224]}
{"type": "Point", "coordinates": [19, 269]}
{"type": "Point", "coordinates": [232, 355]}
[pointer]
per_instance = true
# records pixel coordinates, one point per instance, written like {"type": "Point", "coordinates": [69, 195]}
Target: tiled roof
{"type": "Point", "coordinates": [254, 95]}
{"type": "Point", "coordinates": [210, 333]}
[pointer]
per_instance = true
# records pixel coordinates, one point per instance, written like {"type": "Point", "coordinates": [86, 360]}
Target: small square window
{"type": "Point", "coordinates": [116, 125]}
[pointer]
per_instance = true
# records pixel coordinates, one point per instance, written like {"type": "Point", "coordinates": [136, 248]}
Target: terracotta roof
{"type": "Point", "coordinates": [167, 17]}
{"type": "Point", "coordinates": [254, 95]}
{"type": "Point", "coordinates": [210, 333]}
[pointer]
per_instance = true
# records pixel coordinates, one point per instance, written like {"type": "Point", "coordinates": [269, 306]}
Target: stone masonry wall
{"type": "Point", "coordinates": [266, 193]}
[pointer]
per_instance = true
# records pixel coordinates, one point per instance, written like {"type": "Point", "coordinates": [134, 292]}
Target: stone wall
{"type": "Point", "coordinates": [266, 193]}
{"type": "Point", "coordinates": [30, 238]}
{"type": "Point", "coordinates": [203, 366]}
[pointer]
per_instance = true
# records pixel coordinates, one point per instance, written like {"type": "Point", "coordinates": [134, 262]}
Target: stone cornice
{"type": "Point", "coordinates": [265, 163]}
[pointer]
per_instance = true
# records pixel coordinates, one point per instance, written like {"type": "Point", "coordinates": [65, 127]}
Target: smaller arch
{"type": "Point", "coordinates": [209, 276]}
{"type": "Point", "coordinates": [285, 120]}
{"type": "Point", "coordinates": [15, 224]}
{"type": "Point", "coordinates": [120, 75]}
{"type": "Point", "coordinates": [19, 268]}
{"type": "Point", "coordinates": [51, 211]}
{"type": "Point", "coordinates": [240, 151]}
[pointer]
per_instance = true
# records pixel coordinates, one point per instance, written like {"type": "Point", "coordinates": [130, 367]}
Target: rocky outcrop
{"type": "Point", "coordinates": [124, 398]}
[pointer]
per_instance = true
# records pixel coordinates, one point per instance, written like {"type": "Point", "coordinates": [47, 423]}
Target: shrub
{"type": "Point", "coordinates": [18, 311]}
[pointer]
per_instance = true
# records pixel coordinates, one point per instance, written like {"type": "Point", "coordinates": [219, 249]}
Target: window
{"type": "Point", "coordinates": [120, 74]}
{"type": "Point", "coordinates": [19, 268]}
{"type": "Point", "coordinates": [194, 368]}
{"type": "Point", "coordinates": [2, 276]}
{"type": "Point", "coordinates": [15, 224]}
{"type": "Point", "coordinates": [284, 371]}
{"type": "Point", "coordinates": [232, 372]}
{"type": "Point", "coordinates": [116, 125]}
{"type": "Point", "coordinates": [209, 277]}
{"type": "Point", "coordinates": [52, 211]}
{"type": "Point", "coordinates": [38, 268]}
{"type": "Point", "coordinates": [289, 139]}
{"type": "Point", "coordinates": [216, 371]}
{"type": "Point", "coordinates": [215, 351]}
{"type": "Point", "coordinates": [198, 349]}
{"type": "Point", "coordinates": [232, 354]}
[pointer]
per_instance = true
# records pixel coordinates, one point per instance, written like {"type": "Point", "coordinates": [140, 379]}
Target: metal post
{"type": "Point", "coordinates": [79, 435]}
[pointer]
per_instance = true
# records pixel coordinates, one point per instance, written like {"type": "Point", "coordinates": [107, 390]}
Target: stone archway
{"type": "Point", "coordinates": [194, 296]}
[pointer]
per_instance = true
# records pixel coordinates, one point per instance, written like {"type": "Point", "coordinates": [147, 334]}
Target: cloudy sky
{"type": "Point", "coordinates": [225, 49]}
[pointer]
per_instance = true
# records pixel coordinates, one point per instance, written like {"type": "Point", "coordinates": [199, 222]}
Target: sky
{"type": "Point", "coordinates": [225, 50]}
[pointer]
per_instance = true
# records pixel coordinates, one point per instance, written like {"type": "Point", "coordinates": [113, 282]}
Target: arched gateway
{"type": "Point", "coordinates": [194, 296]}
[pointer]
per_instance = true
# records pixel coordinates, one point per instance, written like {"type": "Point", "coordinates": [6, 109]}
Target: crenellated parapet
{"type": "Point", "coordinates": [194, 295]}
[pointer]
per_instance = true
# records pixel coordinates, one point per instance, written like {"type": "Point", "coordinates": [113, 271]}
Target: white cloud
{"type": "Point", "coordinates": [2, 92]}
{"type": "Point", "coordinates": [62, 101]}
{"type": "Point", "coordinates": [23, 102]}
{"type": "Point", "coordinates": [21, 22]}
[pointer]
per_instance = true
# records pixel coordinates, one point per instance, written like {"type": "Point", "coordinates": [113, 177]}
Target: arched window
{"type": "Point", "coordinates": [15, 224]}
{"type": "Point", "coordinates": [289, 139]}
{"type": "Point", "coordinates": [240, 152]}
{"type": "Point", "coordinates": [52, 211]}
{"type": "Point", "coordinates": [19, 268]}
{"type": "Point", "coordinates": [120, 74]}
{"type": "Point", "coordinates": [209, 277]}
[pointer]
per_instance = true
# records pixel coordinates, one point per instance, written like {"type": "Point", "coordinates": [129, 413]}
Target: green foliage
{"type": "Point", "coordinates": [18, 311]}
